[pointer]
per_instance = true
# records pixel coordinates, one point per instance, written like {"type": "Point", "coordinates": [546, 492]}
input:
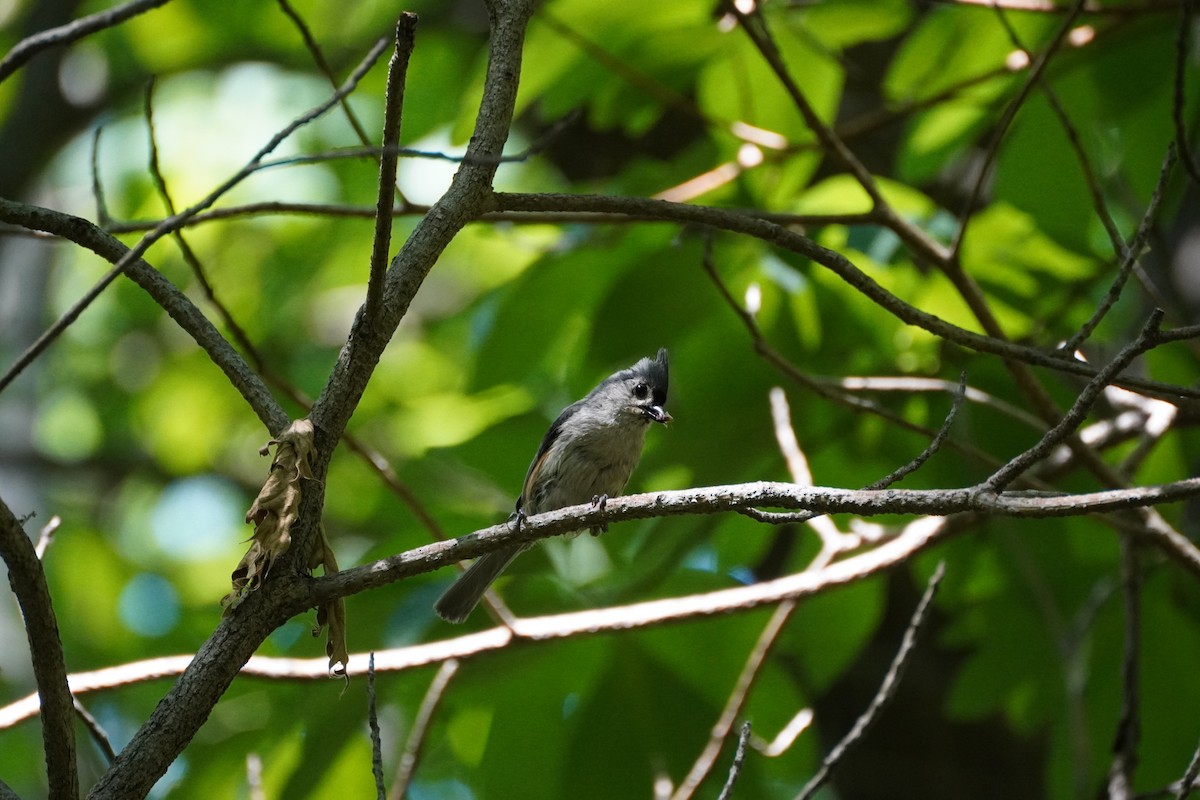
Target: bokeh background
{"type": "Point", "coordinates": [127, 433]}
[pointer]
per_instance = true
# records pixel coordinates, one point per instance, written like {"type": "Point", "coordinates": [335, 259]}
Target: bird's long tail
{"type": "Point", "coordinates": [464, 594]}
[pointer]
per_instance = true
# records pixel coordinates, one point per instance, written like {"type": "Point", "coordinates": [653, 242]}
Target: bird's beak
{"type": "Point", "coordinates": [657, 414]}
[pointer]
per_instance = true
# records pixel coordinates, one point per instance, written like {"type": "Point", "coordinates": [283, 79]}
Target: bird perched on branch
{"type": "Point", "coordinates": [587, 456]}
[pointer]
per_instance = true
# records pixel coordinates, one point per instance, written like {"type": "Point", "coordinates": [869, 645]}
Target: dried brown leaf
{"type": "Point", "coordinates": [275, 510]}
{"type": "Point", "coordinates": [332, 613]}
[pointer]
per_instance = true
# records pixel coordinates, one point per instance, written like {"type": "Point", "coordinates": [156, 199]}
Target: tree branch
{"type": "Point", "coordinates": [641, 208]}
{"type": "Point", "coordinates": [887, 690]}
{"type": "Point", "coordinates": [28, 583]}
{"type": "Point", "coordinates": [406, 28]}
{"type": "Point", "coordinates": [420, 727]}
{"type": "Point", "coordinates": [73, 31]}
{"type": "Point", "coordinates": [177, 717]}
{"type": "Point", "coordinates": [129, 257]}
{"type": "Point", "coordinates": [166, 294]}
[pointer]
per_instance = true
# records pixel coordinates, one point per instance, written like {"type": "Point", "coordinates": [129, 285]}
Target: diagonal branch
{"type": "Point", "coordinates": [166, 294]}
{"type": "Point", "coordinates": [1010, 113]}
{"type": "Point", "coordinates": [835, 262]}
{"type": "Point", "coordinates": [126, 258]}
{"type": "Point", "coordinates": [73, 31]}
{"type": "Point", "coordinates": [887, 689]}
{"type": "Point", "coordinates": [1079, 409]}
{"type": "Point", "coordinates": [184, 709]}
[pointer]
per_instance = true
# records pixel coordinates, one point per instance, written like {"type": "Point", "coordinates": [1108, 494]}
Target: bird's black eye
{"type": "Point", "coordinates": [641, 391]}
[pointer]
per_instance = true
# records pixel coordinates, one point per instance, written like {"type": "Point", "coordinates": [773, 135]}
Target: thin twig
{"type": "Point", "coordinates": [281, 207]}
{"type": "Point", "coordinates": [373, 459]}
{"type": "Point", "coordinates": [314, 49]}
{"type": "Point", "coordinates": [28, 582]}
{"type": "Point", "coordinates": [1181, 55]}
{"type": "Point", "coordinates": [1074, 417]}
{"type": "Point", "coordinates": [833, 261]}
{"type": "Point", "coordinates": [1085, 163]}
{"type": "Point", "coordinates": [832, 540]}
{"type": "Point", "coordinates": [887, 690]}
{"type": "Point", "coordinates": [1189, 776]}
{"type": "Point", "coordinates": [73, 31]}
{"type": "Point", "coordinates": [95, 730]}
{"type": "Point", "coordinates": [934, 445]}
{"type": "Point", "coordinates": [1128, 734]}
{"type": "Point", "coordinates": [373, 724]}
{"type": "Point", "coordinates": [739, 758]}
{"type": "Point", "coordinates": [46, 536]}
{"type": "Point", "coordinates": [1005, 122]}
{"type": "Point", "coordinates": [406, 27]}
{"type": "Point", "coordinates": [420, 728]}
{"type": "Point", "coordinates": [172, 223]}
{"type": "Point", "coordinates": [189, 256]}
{"type": "Point", "coordinates": [844, 542]}
{"type": "Point", "coordinates": [102, 216]}
{"type": "Point", "coordinates": [913, 384]}
{"type": "Point", "coordinates": [1129, 256]}
{"type": "Point", "coordinates": [734, 703]}
{"type": "Point", "coordinates": [755, 26]}
{"type": "Point", "coordinates": [822, 387]}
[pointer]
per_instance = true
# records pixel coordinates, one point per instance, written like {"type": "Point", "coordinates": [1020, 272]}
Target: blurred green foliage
{"type": "Point", "coordinates": [149, 457]}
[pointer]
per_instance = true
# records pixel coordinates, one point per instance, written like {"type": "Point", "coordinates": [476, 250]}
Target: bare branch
{"type": "Point", "coordinates": [1186, 8]}
{"type": "Point", "coordinates": [1129, 256]}
{"type": "Point", "coordinates": [420, 727]}
{"type": "Point", "coordinates": [934, 445]}
{"type": "Point", "coordinates": [1079, 409]}
{"type": "Point", "coordinates": [28, 583]}
{"type": "Point", "coordinates": [318, 56]}
{"type": "Point", "coordinates": [406, 28]}
{"type": "Point", "coordinates": [127, 259]}
{"type": "Point", "coordinates": [373, 724]}
{"type": "Point", "coordinates": [1128, 735]}
{"type": "Point", "coordinates": [755, 26]}
{"type": "Point", "coordinates": [715, 499]}
{"type": "Point", "coordinates": [96, 731]}
{"type": "Point", "coordinates": [1189, 777]}
{"type": "Point", "coordinates": [1089, 172]}
{"type": "Point", "coordinates": [181, 712]}
{"type": "Point", "coordinates": [887, 690]}
{"type": "Point", "coordinates": [735, 769]}
{"type": "Point", "coordinates": [6, 792]}
{"type": "Point", "coordinates": [734, 703]}
{"type": "Point", "coordinates": [1010, 113]}
{"type": "Point", "coordinates": [166, 294]}
{"type": "Point", "coordinates": [641, 208]}
{"type": "Point", "coordinates": [73, 31]}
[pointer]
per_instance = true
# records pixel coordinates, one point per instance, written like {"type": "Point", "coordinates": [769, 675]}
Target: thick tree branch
{"type": "Point", "coordinates": [28, 583]}
{"type": "Point", "coordinates": [177, 717]}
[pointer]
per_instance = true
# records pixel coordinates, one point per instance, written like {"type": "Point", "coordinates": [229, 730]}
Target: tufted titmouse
{"type": "Point", "coordinates": [586, 456]}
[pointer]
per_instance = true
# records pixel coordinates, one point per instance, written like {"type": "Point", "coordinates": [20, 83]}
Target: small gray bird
{"type": "Point", "coordinates": [587, 456]}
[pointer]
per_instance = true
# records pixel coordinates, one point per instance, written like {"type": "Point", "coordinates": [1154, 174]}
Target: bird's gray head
{"type": "Point", "coordinates": [639, 392]}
